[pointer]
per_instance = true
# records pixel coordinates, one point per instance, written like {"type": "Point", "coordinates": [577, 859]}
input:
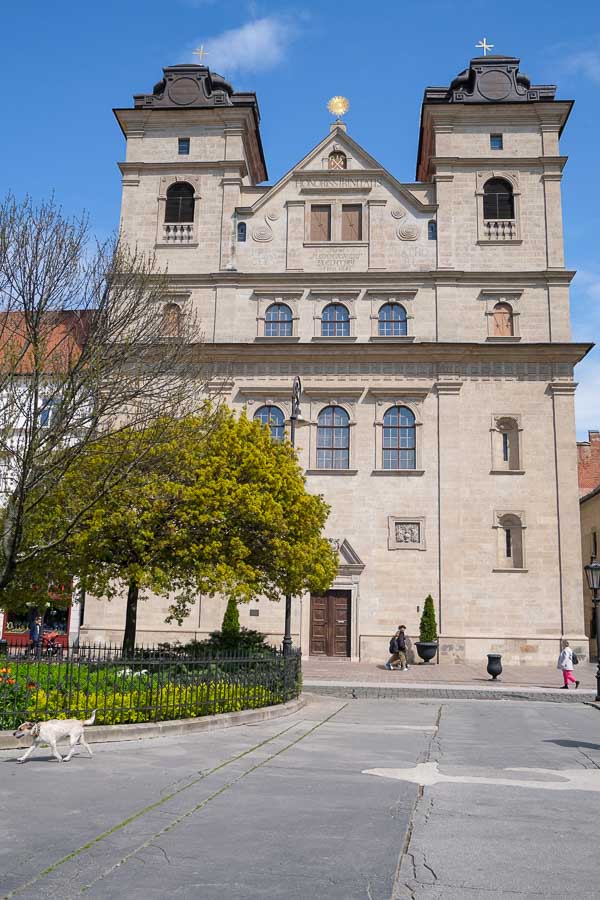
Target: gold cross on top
{"type": "Point", "coordinates": [200, 52]}
{"type": "Point", "coordinates": [484, 46]}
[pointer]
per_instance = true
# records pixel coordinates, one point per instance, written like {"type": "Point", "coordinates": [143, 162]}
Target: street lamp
{"type": "Point", "coordinates": [295, 415]}
{"type": "Point", "coordinates": [592, 573]}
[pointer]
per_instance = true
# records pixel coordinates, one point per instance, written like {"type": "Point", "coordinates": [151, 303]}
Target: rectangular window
{"type": "Point", "coordinates": [505, 447]}
{"type": "Point", "coordinates": [184, 146]}
{"type": "Point", "coordinates": [508, 543]}
{"type": "Point", "coordinates": [496, 142]}
{"type": "Point", "coordinates": [320, 223]}
{"type": "Point", "coordinates": [352, 222]}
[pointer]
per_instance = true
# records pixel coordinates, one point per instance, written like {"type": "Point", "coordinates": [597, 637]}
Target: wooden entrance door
{"type": "Point", "coordinates": [330, 624]}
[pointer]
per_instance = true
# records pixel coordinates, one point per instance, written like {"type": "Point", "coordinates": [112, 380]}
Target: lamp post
{"type": "Point", "coordinates": [295, 414]}
{"type": "Point", "coordinates": [592, 573]}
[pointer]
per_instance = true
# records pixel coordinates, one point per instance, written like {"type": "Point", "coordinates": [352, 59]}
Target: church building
{"type": "Point", "coordinates": [429, 324]}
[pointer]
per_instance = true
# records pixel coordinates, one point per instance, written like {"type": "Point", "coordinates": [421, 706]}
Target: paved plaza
{"type": "Point", "coordinates": [374, 799]}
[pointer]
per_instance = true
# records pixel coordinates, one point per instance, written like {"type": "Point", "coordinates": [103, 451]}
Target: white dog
{"type": "Point", "coordinates": [52, 731]}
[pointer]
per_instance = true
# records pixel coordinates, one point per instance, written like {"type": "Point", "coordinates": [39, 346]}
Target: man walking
{"type": "Point", "coordinates": [398, 650]}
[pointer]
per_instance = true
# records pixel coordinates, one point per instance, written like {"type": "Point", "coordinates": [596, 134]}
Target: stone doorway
{"type": "Point", "coordinates": [330, 617]}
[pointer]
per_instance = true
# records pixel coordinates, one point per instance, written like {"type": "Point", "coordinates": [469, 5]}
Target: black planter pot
{"type": "Point", "coordinates": [426, 650]}
{"type": "Point", "coordinates": [494, 666]}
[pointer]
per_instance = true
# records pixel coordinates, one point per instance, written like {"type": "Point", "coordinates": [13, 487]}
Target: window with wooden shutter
{"type": "Point", "coordinates": [352, 222]}
{"type": "Point", "coordinates": [320, 223]}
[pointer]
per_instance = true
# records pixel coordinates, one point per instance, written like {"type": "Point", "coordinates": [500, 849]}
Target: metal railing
{"type": "Point", "coordinates": [150, 684]}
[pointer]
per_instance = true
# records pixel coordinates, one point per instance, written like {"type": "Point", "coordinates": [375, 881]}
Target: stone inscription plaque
{"type": "Point", "coordinates": [336, 261]}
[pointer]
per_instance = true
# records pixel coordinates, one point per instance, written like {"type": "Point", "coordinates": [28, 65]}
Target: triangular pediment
{"type": "Point", "coordinates": [348, 557]}
{"type": "Point", "coordinates": [364, 172]}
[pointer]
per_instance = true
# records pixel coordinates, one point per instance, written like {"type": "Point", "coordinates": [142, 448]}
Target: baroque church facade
{"type": "Point", "coordinates": [429, 325]}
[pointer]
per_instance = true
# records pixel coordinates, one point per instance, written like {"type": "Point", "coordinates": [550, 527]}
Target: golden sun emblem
{"type": "Point", "coordinates": [338, 106]}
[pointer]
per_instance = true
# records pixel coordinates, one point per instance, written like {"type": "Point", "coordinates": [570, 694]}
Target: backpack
{"type": "Point", "coordinates": [394, 645]}
{"type": "Point", "coordinates": [575, 658]}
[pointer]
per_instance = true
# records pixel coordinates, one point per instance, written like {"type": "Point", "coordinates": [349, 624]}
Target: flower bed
{"type": "Point", "coordinates": [147, 691]}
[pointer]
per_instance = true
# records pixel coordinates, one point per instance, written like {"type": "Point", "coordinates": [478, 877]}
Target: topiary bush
{"type": "Point", "coordinates": [230, 628]}
{"type": "Point", "coordinates": [428, 626]}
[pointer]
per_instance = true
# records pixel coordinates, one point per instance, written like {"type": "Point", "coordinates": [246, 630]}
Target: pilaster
{"type": "Point", "coordinates": [567, 508]}
{"type": "Point", "coordinates": [294, 245]}
{"type": "Point", "coordinates": [450, 551]}
{"type": "Point", "coordinates": [376, 235]}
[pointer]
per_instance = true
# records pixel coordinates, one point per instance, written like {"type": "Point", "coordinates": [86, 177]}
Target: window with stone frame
{"type": "Point", "coordinates": [279, 320]}
{"type": "Point", "coordinates": [335, 321]}
{"type": "Point", "coordinates": [171, 321]}
{"type": "Point", "coordinates": [333, 438]}
{"type": "Point", "coordinates": [498, 199]}
{"type": "Point", "coordinates": [502, 320]}
{"type": "Point", "coordinates": [392, 320]}
{"type": "Point", "coordinates": [320, 222]}
{"type": "Point", "coordinates": [179, 207]}
{"type": "Point", "coordinates": [274, 418]}
{"type": "Point", "coordinates": [399, 439]}
{"type": "Point", "coordinates": [506, 444]}
{"type": "Point", "coordinates": [351, 222]}
{"type": "Point", "coordinates": [510, 530]}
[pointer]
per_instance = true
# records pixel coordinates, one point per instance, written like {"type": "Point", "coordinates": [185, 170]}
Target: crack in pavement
{"type": "Point", "coordinates": [399, 887]}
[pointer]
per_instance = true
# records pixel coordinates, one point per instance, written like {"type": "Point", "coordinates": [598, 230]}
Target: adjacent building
{"type": "Point", "coordinates": [429, 323]}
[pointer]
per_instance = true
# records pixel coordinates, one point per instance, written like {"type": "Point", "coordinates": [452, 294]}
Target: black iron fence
{"type": "Point", "coordinates": [150, 684]}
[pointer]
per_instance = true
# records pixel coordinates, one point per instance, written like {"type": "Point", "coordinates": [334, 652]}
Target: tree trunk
{"type": "Point", "coordinates": [133, 591]}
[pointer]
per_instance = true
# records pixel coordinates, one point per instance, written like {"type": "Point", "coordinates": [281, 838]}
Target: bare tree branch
{"type": "Point", "coordinates": [85, 349]}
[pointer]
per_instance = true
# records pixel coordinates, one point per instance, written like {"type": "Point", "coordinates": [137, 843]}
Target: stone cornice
{"type": "Point", "coordinates": [416, 352]}
{"type": "Point", "coordinates": [184, 165]}
{"type": "Point", "coordinates": [498, 162]}
{"type": "Point", "coordinates": [388, 280]}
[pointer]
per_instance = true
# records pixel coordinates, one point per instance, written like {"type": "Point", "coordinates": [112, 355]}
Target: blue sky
{"type": "Point", "coordinates": [67, 64]}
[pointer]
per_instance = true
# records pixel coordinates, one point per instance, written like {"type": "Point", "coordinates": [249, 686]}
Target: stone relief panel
{"type": "Point", "coordinates": [406, 533]}
{"type": "Point", "coordinates": [264, 233]}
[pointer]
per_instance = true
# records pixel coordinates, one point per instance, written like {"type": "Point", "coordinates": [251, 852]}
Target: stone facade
{"type": "Point", "coordinates": [483, 513]}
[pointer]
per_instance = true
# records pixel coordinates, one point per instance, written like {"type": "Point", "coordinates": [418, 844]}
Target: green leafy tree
{"type": "Point", "coordinates": [218, 507]}
{"type": "Point", "coordinates": [428, 626]}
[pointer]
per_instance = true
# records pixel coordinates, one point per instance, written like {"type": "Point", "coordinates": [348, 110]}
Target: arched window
{"type": "Point", "coordinates": [503, 320]}
{"type": "Point", "coordinates": [432, 230]}
{"type": "Point", "coordinates": [241, 232]}
{"type": "Point", "coordinates": [498, 200]}
{"type": "Point", "coordinates": [399, 439]}
{"type": "Point", "coordinates": [508, 455]}
{"type": "Point", "coordinates": [337, 160]}
{"type": "Point", "coordinates": [171, 321]}
{"type": "Point", "coordinates": [333, 438]}
{"type": "Point", "coordinates": [274, 418]}
{"type": "Point", "coordinates": [278, 321]}
{"type": "Point", "coordinates": [510, 548]}
{"type": "Point", "coordinates": [392, 320]}
{"type": "Point", "coordinates": [335, 321]}
{"type": "Point", "coordinates": [180, 203]}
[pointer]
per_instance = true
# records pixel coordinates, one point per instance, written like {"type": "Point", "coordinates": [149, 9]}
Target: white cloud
{"type": "Point", "coordinates": [256, 46]}
{"type": "Point", "coordinates": [586, 63]}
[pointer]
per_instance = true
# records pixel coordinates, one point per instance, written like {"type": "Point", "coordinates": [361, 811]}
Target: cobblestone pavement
{"type": "Point", "coordinates": [345, 800]}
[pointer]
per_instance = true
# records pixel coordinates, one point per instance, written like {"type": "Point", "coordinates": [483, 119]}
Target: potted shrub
{"type": "Point", "coordinates": [427, 644]}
